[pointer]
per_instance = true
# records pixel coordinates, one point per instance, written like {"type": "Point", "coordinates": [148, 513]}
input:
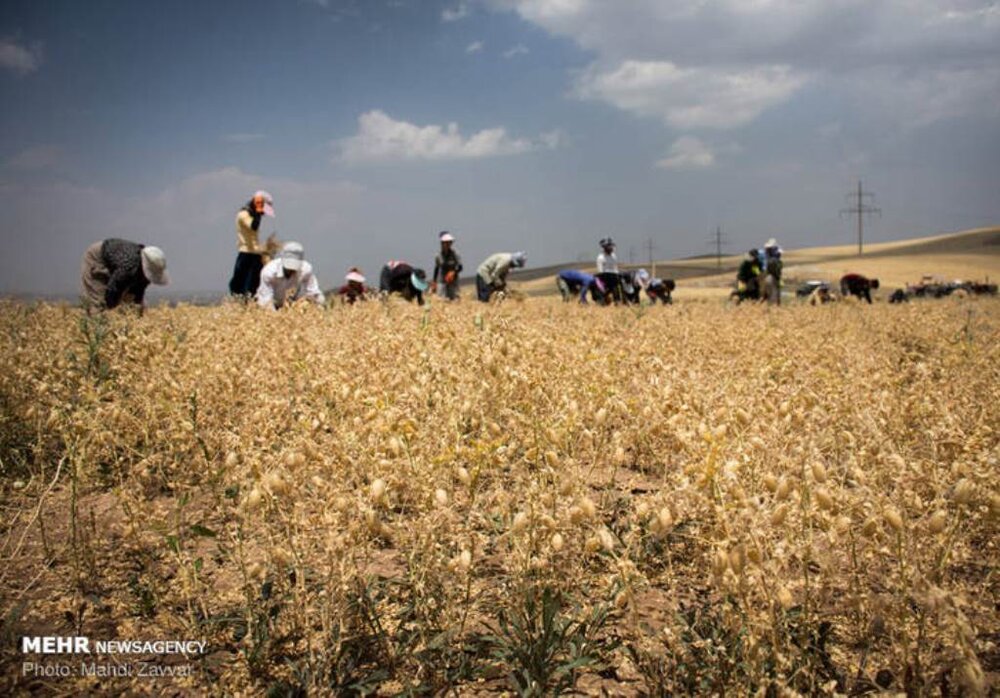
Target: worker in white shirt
{"type": "Point", "coordinates": [607, 270]}
{"type": "Point", "coordinates": [288, 278]}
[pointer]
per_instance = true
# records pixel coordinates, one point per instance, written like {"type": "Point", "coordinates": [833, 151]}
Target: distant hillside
{"type": "Point", "coordinates": [972, 254]}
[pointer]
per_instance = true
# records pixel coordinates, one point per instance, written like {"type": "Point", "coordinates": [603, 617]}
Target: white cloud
{"type": "Point", "coordinates": [518, 50]}
{"type": "Point", "coordinates": [35, 158]}
{"type": "Point", "coordinates": [381, 138]}
{"type": "Point", "coordinates": [553, 139]}
{"type": "Point", "coordinates": [453, 14]}
{"type": "Point", "coordinates": [690, 97]}
{"type": "Point", "coordinates": [688, 153]}
{"type": "Point", "coordinates": [474, 47]}
{"type": "Point", "coordinates": [242, 137]}
{"type": "Point", "coordinates": [917, 99]}
{"type": "Point", "coordinates": [18, 58]}
{"type": "Point", "coordinates": [938, 52]}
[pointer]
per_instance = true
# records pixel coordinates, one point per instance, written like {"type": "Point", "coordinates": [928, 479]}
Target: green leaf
{"type": "Point", "coordinates": [197, 564]}
{"type": "Point", "coordinates": [199, 530]}
{"type": "Point", "coordinates": [174, 544]}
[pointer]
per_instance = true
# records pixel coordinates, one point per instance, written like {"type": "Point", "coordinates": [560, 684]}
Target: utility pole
{"type": "Point", "coordinates": [717, 240]}
{"type": "Point", "coordinates": [862, 204]}
{"type": "Point", "coordinates": [649, 255]}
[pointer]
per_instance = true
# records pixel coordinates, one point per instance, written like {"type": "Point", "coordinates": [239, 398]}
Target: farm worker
{"type": "Point", "coordinates": [447, 266]}
{"type": "Point", "coordinates": [249, 259]}
{"type": "Point", "coordinates": [114, 271]}
{"type": "Point", "coordinates": [857, 285]}
{"type": "Point", "coordinates": [354, 287]}
{"type": "Point", "coordinates": [772, 270]}
{"type": "Point", "coordinates": [607, 269]}
{"type": "Point", "coordinates": [660, 289]}
{"type": "Point", "coordinates": [491, 277]}
{"type": "Point", "coordinates": [402, 278]}
{"type": "Point", "coordinates": [572, 282]}
{"type": "Point", "coordinates": [820, 295]}
{"type": "Point", "coordinates": [748, 277]}
{"type": "Point", "coordinates": [633, 284]}
{"type": "Point", "coordinates": [288, 278]}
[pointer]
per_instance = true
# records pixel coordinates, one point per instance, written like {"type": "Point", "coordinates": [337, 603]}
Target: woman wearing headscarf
{"type": "Point", "coordinates": [116, 271]}
{"type": "Point", "coordinates": [249, 258]}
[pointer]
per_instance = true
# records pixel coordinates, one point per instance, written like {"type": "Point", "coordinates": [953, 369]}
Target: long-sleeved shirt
{"type": "Point", "coordinates": [395, 278]}
{"type": "Point", "coordinates": [443, 263]}
{"type": "Point", "coordinates": [123, 260]}
{"type": "Point", "coordinates": [349, 292]}
{"type": "Point", "coordinates": [748, 271]}
{"type": "Point", "coordinates": [495, 268]}
{"type": "Point", "coordinates": [275, 287]}
{"type": "Point", "coordinates": [246, 233]}
{"type": "Point", "coordinates": [607, 263]}
{"type": "Point", "coordinates": [580, 279]}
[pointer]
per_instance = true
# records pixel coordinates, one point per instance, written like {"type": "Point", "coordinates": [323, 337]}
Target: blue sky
{"type": "Point", "coordinates": [541, 125]}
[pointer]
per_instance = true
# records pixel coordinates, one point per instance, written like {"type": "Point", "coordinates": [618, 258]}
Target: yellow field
{"type": "Point", "coordinates": [695, 499]}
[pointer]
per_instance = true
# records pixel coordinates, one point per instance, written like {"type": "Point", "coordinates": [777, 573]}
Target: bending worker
{"type": "Point", "coordinates": [354, 288]}
{"type": "Point", "coordinates": [572, 281]}
{"type": "Point", "coordinates": [857, 285]}
{"type": "Point", "coordinates": [491, 277]}
{"type": "Point", "coordinates": [402, 278]}
{"type": "Point", "coordinates": [288, 278]}
{"type": "Point", "coordinates": [114, 271]}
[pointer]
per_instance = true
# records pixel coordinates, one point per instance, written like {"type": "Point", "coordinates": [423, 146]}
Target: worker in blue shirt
{"type": "Point", "coordinates": [571, 281]}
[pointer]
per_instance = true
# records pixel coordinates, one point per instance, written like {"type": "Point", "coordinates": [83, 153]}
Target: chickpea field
{"type": "Point", "coordinates": [527, 498]}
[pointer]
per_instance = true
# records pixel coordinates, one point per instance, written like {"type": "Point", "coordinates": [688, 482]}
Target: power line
{"type": "Point", "coordinates": [859, 209]}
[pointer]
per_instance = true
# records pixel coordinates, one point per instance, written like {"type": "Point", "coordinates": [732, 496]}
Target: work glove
{"type": "Point", "coordinates": [449, 277]}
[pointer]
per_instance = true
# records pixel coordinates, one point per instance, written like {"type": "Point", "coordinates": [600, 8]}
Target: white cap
{"type": "Point", "coordinates": [447, 237]}
{"type": "Point", "coordinates": [292, 255]}
{"type": "Point", "coordinates": [154, 265]}
{"type": "Point", "coordinates": [355, 276]}
{"type": "Point", "coordinates": [770, 243]}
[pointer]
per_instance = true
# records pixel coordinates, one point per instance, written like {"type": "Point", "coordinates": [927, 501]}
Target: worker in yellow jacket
{"type": "Point", "coordinates": [249, 259]}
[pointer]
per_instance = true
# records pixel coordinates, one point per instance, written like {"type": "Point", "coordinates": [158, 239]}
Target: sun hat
{"type": "Point", "coordinates": [607, 242]}
{"type": "Point", "coordinates": [445, 236]}
{"type": "Point", "coordinates": [770, 243]}
{"type": "Point", "coordinates": [642, 275]}
{"type": "Point", "coordinates": [419, 280]}
{"type": "Point", "coordinates": [154, 265]}
{"type": "Point", "coordinates": [268, 201]}
{"type": "Point", "coordinates": [355, 275]}
{"type": "Point", "coordinates": [292, 255]}
{"type": "Point", "coordinates": [519, 259]}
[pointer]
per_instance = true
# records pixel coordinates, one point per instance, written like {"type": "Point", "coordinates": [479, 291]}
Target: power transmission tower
{"type": "Point", "coordinates": [648, 244]}
{"type": "Point", "coordinates": [718, 240]}
{"type": "Point", "coordinates": [859, 208]}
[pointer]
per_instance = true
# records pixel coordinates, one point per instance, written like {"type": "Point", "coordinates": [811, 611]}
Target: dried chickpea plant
{"type": "Point", "coordinates": [530, 498]}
